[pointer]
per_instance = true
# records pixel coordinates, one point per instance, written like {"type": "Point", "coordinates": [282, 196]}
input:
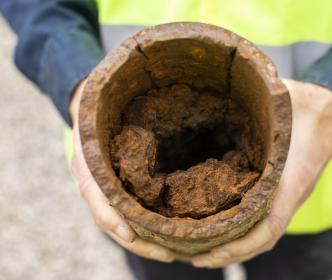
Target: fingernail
{"type": "Point", "coordinates": [123, 233]}
{"type": "Point", "coordinates": [160, 255]}
{"type": "Point", "coordinates": [221, 254]}
{"type": "Point", "coordinates": [200, 263]}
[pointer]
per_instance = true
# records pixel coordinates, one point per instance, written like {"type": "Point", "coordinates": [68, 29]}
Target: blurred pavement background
{"type": "Point", "coordinates": [46, 231]}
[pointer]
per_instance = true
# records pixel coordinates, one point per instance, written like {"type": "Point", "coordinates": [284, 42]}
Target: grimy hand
{"type": "Point", "coordinates": [105, 216]}
{"type": "Point", "coordinates": [310, 150]}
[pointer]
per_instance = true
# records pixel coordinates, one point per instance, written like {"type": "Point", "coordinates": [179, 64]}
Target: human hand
{"type": "Point", "coordinates": [105, 216]}
{"type": "Point", "coordinates": [310, 150]}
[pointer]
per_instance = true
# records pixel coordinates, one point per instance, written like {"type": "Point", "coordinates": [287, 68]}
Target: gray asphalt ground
{"type": "Point", "coordinates": [46, 231]}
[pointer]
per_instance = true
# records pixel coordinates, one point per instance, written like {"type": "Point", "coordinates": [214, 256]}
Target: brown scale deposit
{"type": "Point", "coordinates": [186, 153]}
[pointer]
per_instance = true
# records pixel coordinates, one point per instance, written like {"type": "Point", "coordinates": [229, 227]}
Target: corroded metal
{"type": "Point", "coordinates": [214, 58]}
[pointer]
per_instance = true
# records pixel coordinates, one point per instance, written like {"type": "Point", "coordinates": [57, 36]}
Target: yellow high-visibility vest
{"type": "Point", "coordinates": [285, 29]}
{"type": "Point", "coordinates": [268, 22]}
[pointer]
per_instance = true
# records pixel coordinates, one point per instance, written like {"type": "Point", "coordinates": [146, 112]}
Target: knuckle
{"type": "Point", "coordinates": [276, 225]}
{"type": "Point", "coordinates": [270, 246]}
{"type": "Point", "coordinates": [83, 190]}
{"type": "Point", "coordinates": [84, 185]}
{"type": "Point", "coordinates": [103, 222]}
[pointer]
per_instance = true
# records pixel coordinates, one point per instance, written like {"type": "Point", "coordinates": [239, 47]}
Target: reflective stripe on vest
{"type": "Point", "coordinates": [282, 28]}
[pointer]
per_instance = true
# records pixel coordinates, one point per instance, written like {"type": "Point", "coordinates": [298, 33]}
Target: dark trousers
{"type": "Point", "coordinates": [299, 257]}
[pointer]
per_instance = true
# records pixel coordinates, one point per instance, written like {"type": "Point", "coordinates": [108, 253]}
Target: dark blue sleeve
{"type": "Point", "coordinates": [320, 72]}
{"type": "Point", "coordinates": [58, 44]}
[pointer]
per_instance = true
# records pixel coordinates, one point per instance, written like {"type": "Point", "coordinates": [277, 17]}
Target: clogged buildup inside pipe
{"type": "Point", "coordinates": [186, 153]}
